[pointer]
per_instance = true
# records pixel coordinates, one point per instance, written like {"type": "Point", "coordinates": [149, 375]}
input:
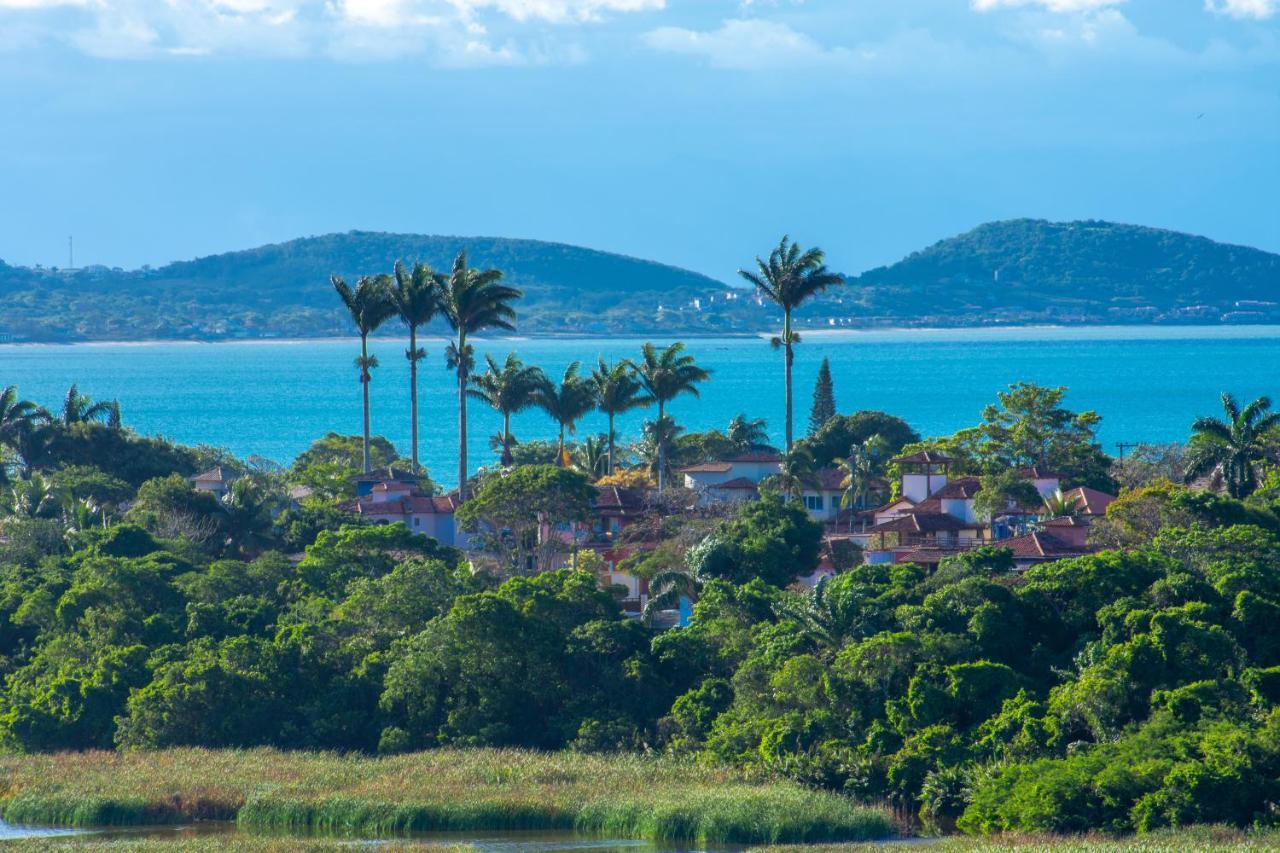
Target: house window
{"type": "Point", "coordinates": [417, 522]}
{"type": "Point", "coordinates": [814, 503]}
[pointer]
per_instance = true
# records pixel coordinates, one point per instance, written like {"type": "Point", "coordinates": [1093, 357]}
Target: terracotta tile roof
{"type": "Point", "coordinates": [1041, 546]}
{"type": "Point", "coordinates": [1090, 501]}
{"type": "Point", "coordinates": [708, 468]}
{"type": "Point", "coordinates": [924, 522]}
{"type": "Point", "coordinates": [1035, 472]}
{"type": "Point", "coordinates": [615, 500]}
{"type": "Point", "coordinates": [404, 506]}
{"type": "Point", "coordinates": [393, 487]}
{"type": "Point", "coordinates": [830, 479]}
{"type": "Point", "coordinates": [1065, 521]}
{"type": "Point", "coordinates": [738, 484]}
{"type": "Point", "coordinates": [924, 457]}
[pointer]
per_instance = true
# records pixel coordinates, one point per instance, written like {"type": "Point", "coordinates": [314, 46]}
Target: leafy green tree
{"type": "Point", "coordinates": [369, 304]}
{"type": "Point", "coordinates": [416, 298]}
{"type": "Point", "coordinates": [526, 517]}
{"type": "Point", "coordinates": [330, 464]}
{"type": "Point", "coordinates": [472, 300]}
{"type": "Point", "coordinates": [665, 376]}
{"type": "Point", "coordinates": [824, 399]}
{"type": "Point", "coordinates": [1237, 444]}
{"type": "Point", "coordinates": [866, 462]}
{"type": "Point", "coordinates": [508, 388]}
{"type": "Point", "coordinates": [789, 278]}
{"type": "Point", "coordinates": [770, 539]}
{"type": "Point", "coordinates": [17, 418]}
{"type": "Point", "coordinates": [1028, 426]}
{"type": "Point", "coordinates": [339, 557]}
{"type": "Point", "coordinates": [835, 439]}
{"type": "Point", "coordinates": [617, 391]}
{"type": "Point", "coordinates": [1005, 490]}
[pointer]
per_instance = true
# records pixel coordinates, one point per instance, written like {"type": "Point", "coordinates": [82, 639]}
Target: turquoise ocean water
{"type": "Point", "coordinates": [273, 398]}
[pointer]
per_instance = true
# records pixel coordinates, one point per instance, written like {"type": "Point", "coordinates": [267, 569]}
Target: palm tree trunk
{"type": "Point", "coordinates": [506, 439]}
{"type": "Point", "coordinates": [364, 389]}
{"type": "Point", "coordinates": [611, 444]}
{"type": "Point", "coordinates": [662, 451]}
{"type": "Point", "coordinates": [560, 453]}
{"type": "Point", "coordinates": [462, 416]}
{"type": "Point", "coordinates": [789, 358]}
{"type": "Point", "coordinates": [413, 390]}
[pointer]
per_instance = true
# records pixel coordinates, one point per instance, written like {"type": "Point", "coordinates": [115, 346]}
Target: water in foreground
{"type": "Point", "coordinates": [272, 399]}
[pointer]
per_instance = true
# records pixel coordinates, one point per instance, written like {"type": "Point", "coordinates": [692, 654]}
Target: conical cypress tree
{"type": "Point", "coordinates": [824, 399]}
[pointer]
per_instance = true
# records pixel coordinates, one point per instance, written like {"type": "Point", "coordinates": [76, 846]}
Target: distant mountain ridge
{"type": "Point", "coordinates": [1014, 272]}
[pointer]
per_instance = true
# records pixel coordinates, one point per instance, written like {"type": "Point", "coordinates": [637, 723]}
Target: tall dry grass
{"type": "Point", "coordinates": [621, 796]}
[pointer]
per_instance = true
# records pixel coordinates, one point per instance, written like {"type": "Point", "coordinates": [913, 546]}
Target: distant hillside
{"type": "Point", "coordinates": [1016, 272]}
{"type": "Point", "coordinates": [283, 290]}
{"type": "Point", "coordinates": [1035, 271]}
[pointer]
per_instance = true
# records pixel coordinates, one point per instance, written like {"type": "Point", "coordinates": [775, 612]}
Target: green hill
{"type": "Point", "coordinates": [1016, 272]}
{"type": "Point", "coordinates": [1036, 271]}
{"type": "Point", "coordinates": [282, 290]}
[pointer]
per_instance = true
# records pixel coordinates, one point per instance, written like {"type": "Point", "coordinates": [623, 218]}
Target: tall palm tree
{"type": "Point", "coordinates": [22, 425]}
{"type": "Point", "coordinates": [78, 408]}
{"type": "Point", "coordinates": [667, 588]}
{"type": "Point", "coordinates": [472, 300]}
{"type": "Point", "coordinates": [789, 278]}
{"type": "Point", "coordinates": [567, 403]}
{"type": "Point", "coordinates": [864, 463]}
{"type": "Point", "coordinates": [666, 375]}
{"type": "Point", "coordinates": [796, 476]}
{"type": "Point", "coordinates": [654, 450]}
{"type": "Point", "coordinates": [1237, 444]}
{"type": "Point", "coordinates": [617, 391]}
{"type": "Point", "coordinates": [369, 304]}
{"type": "Point", "coordinates": [509, 388]}
{"type": "Point", "coordinates": [416, 297]}
{"type": "Point", "coordinates": [747, 434]}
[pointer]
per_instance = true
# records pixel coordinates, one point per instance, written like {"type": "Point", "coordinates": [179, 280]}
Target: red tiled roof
{"type": "Point", "coordinates": [738, 484]}
{"type": "Point", "coordinates": [1066, 521]}
{"type": "Point", "coordinates": [615, 500]}
{"type": "Point", "coordinates": [407, 505]}
{"type": "Point", "coordinates": [830, 479]}
{"type": "Point", "coordinates": [393, 486]}
{"type": "Point", "coordinates": [382, 475]}
{"type": "Point", "coordinates": [1090, 501]}
{"type": "Point", "coordinates": [923, 522]}
{"type": "Point", "coordinates": [1041, 546]}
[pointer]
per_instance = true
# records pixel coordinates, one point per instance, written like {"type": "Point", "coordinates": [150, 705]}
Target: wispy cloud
{"type": "Point", "coordinates": [1049, 5]}
{"type": "Point", "coordinates": [1258, 10]}
{"type": "Point", "coordinates": [747, 44]}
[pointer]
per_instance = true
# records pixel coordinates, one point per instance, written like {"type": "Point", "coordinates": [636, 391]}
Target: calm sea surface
{"type": "Point", "coordinates": [273, 398]}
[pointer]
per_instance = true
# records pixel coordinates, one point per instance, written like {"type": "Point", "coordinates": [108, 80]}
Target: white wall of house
{"type": "Point", "coordinates": [918, 487]}
{"type": "Point", "coordinates": [961, 508]}
{"type": "Point", "coordinates": [1046, 486]}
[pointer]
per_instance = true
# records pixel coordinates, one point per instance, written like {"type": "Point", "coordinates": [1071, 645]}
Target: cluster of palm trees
{"type": "Point", "coordinates": [472, 300]}
{"type": "Point", "coordinates": [1237, 446]}
{"type": "Point", "coordinates": [26, 427]}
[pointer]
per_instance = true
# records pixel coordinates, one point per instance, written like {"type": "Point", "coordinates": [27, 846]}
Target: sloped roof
{"type": "Point", "coordinates": [923, 522]}
{"type": "Point", "coordinates": [737, 484]}
{"type": "Point", "coordinates": [830, 479]}
{"type": "Point", "coordinates": [383, 475]}
{"type": "Point", "coordinates": [708, 468]}
{"type": "Point", "coordinates": [1041, 546]}
{"type": "Point", "coordinates": [615, 500]}
{"type": "Point", "coordinates": [1036, 472]}
{"type": "Point", "coordinates": [925, 457]}
{"type": "Point", "coordinates": [1090, 501]}
{"type": "Point", "coordinates": [217, 474]}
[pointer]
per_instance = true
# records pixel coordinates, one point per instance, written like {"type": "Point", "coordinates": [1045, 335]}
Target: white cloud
{"type": "Point", "coordinates": [449, 32]}
{"type": "Point", "coordinates": [1255, 9]}
{"type": "Point", "coordinates": [746, 44]}
{"type": "Point", "coordinates": [1049, 5]}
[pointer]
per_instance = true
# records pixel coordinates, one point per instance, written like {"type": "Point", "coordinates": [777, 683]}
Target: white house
{"type": "Point", "coordinates": [751, 467]}
{"type": "Point", "coordinates": [216, 481]}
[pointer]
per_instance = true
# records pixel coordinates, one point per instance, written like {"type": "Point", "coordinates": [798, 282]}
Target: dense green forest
{"type": "Point", "coordinates": [1128, 690]}
{"type": "Point", "coordinates": [1021, 271]}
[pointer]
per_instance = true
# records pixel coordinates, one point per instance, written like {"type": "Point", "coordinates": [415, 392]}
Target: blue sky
{"type": "Point", "coordinates": [688, 131]}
